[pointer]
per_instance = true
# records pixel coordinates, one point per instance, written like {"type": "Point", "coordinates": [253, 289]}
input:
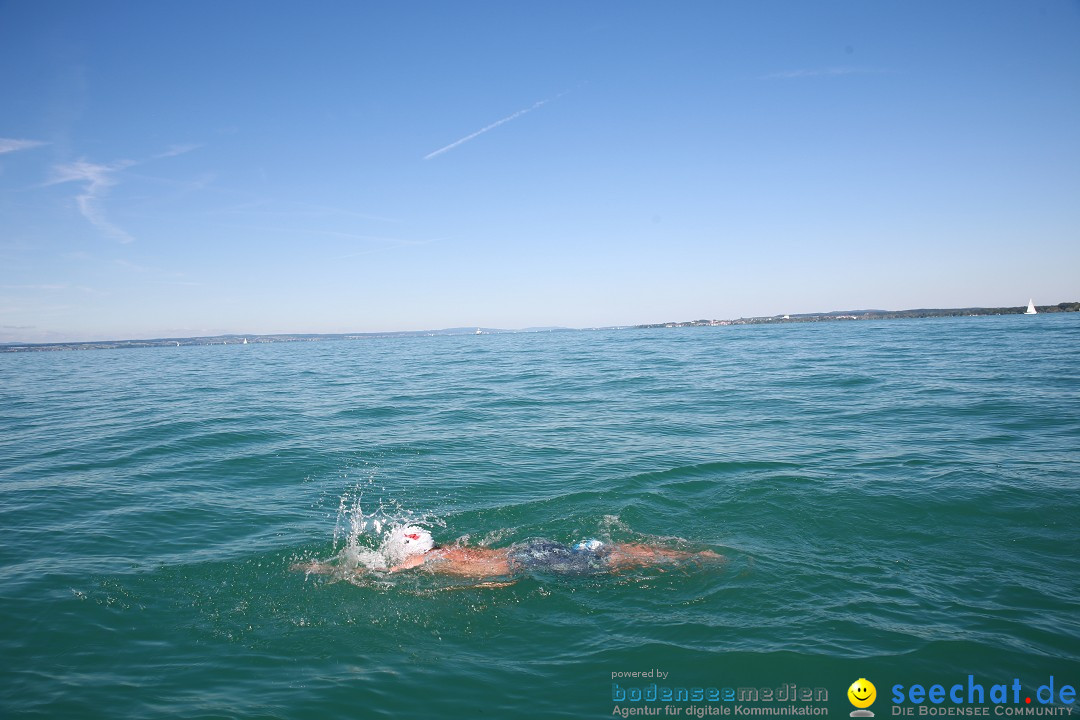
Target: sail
{"type": "Point", "coordinates": [1031, 308]}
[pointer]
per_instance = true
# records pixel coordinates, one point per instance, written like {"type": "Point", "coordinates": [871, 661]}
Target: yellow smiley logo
{"type": "Point", "coordinates": [862, 693]}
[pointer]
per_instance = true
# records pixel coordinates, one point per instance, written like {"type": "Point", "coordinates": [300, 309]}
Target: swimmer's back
{"type": "Point", "coordinates": [556, 557]}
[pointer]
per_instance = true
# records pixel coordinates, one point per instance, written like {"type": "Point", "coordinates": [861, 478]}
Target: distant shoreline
{"type": "Point", "coordinates": [872, 315]}
{"type": "Point", "coordinates": [237, 339]}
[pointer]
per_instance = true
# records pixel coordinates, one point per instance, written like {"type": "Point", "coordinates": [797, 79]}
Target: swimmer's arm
{"type": "Point", "coordinates": [313, 568]}
{"type": "Point", "coordinates": [461, 562]}
{"type": "Point", "coordinates": [410, 562]}
{"type": "Point", "coordinates": [319, 568]}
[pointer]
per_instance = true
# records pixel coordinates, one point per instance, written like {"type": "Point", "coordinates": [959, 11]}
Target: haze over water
{"type": "Point", "coordinates": [896, 501]}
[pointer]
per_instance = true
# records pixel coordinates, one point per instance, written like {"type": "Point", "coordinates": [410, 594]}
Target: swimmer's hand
{"type": "Point", "coordinates": [318, 568]}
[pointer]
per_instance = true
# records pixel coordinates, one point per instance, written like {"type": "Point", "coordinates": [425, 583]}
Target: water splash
{"type": "Point", "coordinates": [364, 530]}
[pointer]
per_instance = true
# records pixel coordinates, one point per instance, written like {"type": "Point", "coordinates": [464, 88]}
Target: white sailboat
{"type": "Point", "coordinates": [1031, 308]}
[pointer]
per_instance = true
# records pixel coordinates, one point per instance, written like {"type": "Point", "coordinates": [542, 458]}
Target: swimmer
{"type": "Point", "coordinates": [412, 547]}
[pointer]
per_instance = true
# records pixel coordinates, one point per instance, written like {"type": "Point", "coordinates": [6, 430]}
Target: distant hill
{"type": "Point", "coordinates": [239, 339]}
{"type": "Point", "coordinates": [872, 315]}
{"type": "Point", "coordinates": [253, 339]}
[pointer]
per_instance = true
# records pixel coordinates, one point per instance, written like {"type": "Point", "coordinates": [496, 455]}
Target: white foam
{"type": "Point", "coordinates": [374, 539]}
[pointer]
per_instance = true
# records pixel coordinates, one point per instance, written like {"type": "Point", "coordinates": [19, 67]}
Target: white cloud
{"type": "Point", "coordinates": [54, 288]}
{"type": "Point", "coordinates": [11, 144]}
{"type": "Point", "coordinates": [824, 72]}
{"type": "Point", "coordinates": [98, 178]}
{"type": "Point", "coordinates": [127, 264]}
{"type": "Point", "coordinates": [177, 150]}
{"type": "Point", "coordinates": [492, 126]}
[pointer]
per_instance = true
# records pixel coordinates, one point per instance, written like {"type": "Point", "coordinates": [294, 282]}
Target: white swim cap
{"type": "Point", "coordinates": [408, 540]}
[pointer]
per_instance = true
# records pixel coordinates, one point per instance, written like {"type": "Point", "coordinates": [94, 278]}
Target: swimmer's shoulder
{"type": "Point", "coordinates": [450, 553]}
{"type": "Point", "coordinates": [434, 556]}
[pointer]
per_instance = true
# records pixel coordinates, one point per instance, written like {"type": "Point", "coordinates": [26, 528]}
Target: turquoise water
{"type": "Point", "coordinates": [897, 500]}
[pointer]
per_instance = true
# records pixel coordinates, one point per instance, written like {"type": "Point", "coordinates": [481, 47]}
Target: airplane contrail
{"type": "Point", "coordinates": [492, 126]}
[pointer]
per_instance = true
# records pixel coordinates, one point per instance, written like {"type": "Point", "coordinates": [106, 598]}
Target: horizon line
{"type": "Point", "coordinates": [466, 329]}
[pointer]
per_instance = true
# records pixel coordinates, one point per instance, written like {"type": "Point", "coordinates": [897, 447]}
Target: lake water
{"type": "Point", "coordinates": [896, 500]}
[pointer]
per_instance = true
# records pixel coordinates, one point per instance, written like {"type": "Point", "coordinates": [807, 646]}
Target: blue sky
{"type": "Point", "coordinates": [194, 168]}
